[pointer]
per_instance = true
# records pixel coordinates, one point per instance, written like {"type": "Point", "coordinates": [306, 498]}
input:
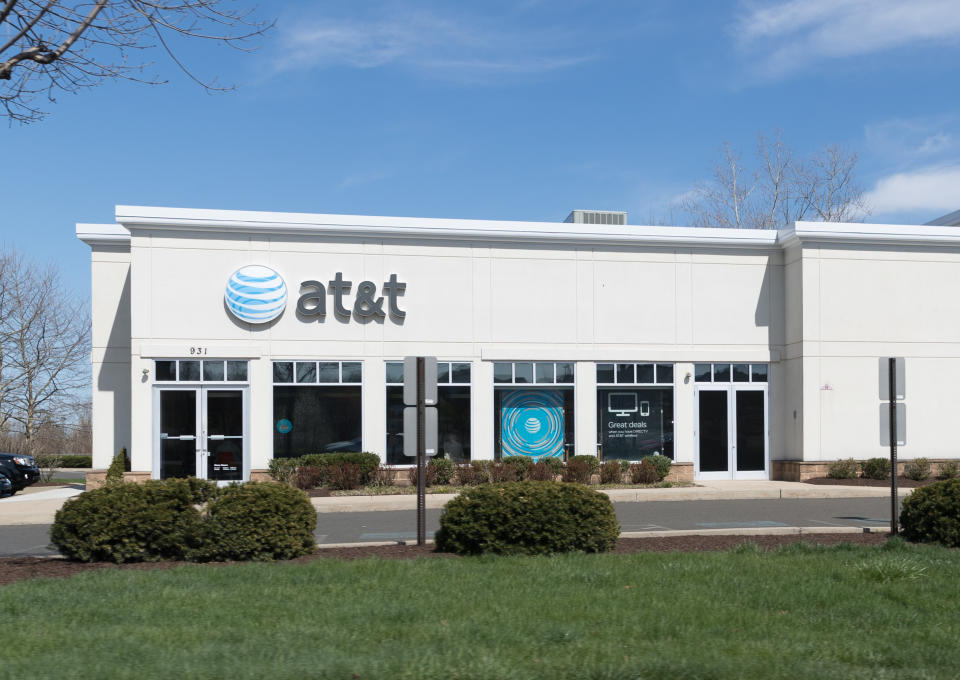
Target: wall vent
{"type": "Point", "coordinates": [596, 217]}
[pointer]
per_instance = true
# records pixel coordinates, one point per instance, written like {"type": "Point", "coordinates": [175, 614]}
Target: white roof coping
{"type": "Point", "coordinates": [131, 218]}
{"type": "Point", "coordinates": [869, 234]}
{"type": "Point", "coordinates": [365, 226]}
{"type": "Point", "coordinates": [103, 234]}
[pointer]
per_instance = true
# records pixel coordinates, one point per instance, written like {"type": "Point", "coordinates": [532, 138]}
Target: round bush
{"type": "Point", "coordinates": [876, 468]}
{"type": "Point", "coordinates": [644, 472]}
{"type": "Point", "coordinates": [529, 518]}
{"type": "Point", "coordinates": [931, 514]}
{"type": "Point", "coordinates": [125, 522]}
{"type": "Point", "coordinates": [257, 521]}
{"type": "Point", "coordinates": [577, 472]}
{"type": "Point", "coordinates": [842, 469]}
{"type": "Point", "coordinates": [662, 465]}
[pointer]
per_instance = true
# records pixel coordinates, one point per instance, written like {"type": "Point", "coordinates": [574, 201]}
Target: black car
{"type": "Point", "coordinates": [21, 470]}
{"type": "Point", "coordinates": [6, 486]}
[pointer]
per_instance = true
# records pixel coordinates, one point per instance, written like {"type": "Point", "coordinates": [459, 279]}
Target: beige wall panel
{"type": "Point", "coordinates": [635, 302]}
{"type": "Point", "coordinates": [533, 301]}
{"type": "Point", "coordinates": [438, 300]}
{"type": "Point", "coordinates": [892, 301]}
{"type": "Point", "coordinates": [731, 304]}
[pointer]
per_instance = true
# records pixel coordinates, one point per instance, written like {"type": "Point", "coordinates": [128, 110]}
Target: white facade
{"type": "Point", "coordinates": [817, 304]}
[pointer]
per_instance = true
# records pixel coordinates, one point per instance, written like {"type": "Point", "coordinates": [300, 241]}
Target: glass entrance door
{"type": "Point", "coordinates": [200, 432]}
{"type": "Point", "coordinates": [178, 433]}
{"type": "Point", "coordinates": [731, 436]}
{"type": "Point", "coordinates": [223, 434]}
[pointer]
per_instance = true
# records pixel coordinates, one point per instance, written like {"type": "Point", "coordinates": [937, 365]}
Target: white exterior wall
{"type": "Point", "coordinates": [868, 302]}
{"type": "Point", "coordinates": [467, 301]}
{"type": "Point", "coordinates": [819, 303]}
{"type": "Point", "coordinates": [110, 351]}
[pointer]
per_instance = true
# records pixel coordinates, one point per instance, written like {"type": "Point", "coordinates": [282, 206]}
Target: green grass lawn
{"type": "Point", "coordinates": [799, 612]}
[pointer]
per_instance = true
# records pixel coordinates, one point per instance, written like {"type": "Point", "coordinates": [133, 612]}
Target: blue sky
{"type": "Point", "coordinates": [499, 110]}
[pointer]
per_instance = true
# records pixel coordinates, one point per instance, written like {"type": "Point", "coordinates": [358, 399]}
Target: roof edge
{"type": "Point", "coordinates": [368, 226]}
{"type": "Point", "coordinates": [103, 234]}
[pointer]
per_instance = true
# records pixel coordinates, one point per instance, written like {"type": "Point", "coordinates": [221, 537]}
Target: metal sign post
{"type": "Point", "coordinates": [420, 426]}
{"type": "Point", "coordinates": [894, 514]}
{"type": "Point", "coordinates": [421, 455]}
{"type": "Point", "coordinates": [893, 420]}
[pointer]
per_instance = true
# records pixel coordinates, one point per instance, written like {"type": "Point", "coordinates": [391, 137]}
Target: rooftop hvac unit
{"type": "Point", "coordinates": [596, 217]}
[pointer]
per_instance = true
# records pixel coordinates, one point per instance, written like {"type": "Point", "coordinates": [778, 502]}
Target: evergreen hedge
{"type": "Point", "coordinates": [527, 518]}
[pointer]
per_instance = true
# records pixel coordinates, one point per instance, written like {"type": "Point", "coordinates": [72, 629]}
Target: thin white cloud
{"type": "Point", "coordinates": [427, 42]}
{"type": "Point", "coordinates": [930, 189]}
{"type": "Point", "coordinates": [791, 34]}
{"type": "Point", "coordinates": [923, 139]}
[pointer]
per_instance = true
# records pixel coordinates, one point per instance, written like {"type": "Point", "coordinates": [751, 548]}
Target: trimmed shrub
{"type": "Point", "coordinates": [282, 469]}
{"type": "Point", "coordinates": [430, 476]}
{"type": "Point", "coordinates": [470, 475]}
{"type": "Point", "coordinates": [520, 464]}
{"type": "Point", "coordinates": [71, 461]}
{"type": "Point", "coordinates": [845, 468]}
{"type": "Point", "coordinates": [917, 469]}
{"type": "Point", "coordinates": [501, 472]}
{"type": "Point", "coordinates": [555, 463]}
{"type": "Point", "coordinates": [257, 521]}
{"type": "Point", "coordinates": [382, 477]}
{"type": "Point", "coordinates": [577, 471]}
{"type": "Point", "coordinates": [126, 522]}
{"type": "Point", "coordinates": [610, 472]}
{"type": "Point", "coordinates": [876, 468]}
{"type": "Point", "coordinates": [931, 514]}
{"type": "Point", "coordinates": [368, 462]}
{"type": "Point", "coordinates": [308, 477]}
{"type": "Point", "coordinates": [443, 469]}
{"type": "Point", "coordinates": [949, 469]}
{"type": "Point", "coordinates": [644, 472]}
{"type": "Point", "coordinates": [541, 471]}
{"type": "Point", "coordinates": [592, 461]}
{"type": "Point", "coordinates": [117, 468]}
{"type": "Point", "coordinates": [344, 476]}
{"type": "Point", "coordinates": [661, 463]}
{"type": "Point", "coordinates": [529, 518]}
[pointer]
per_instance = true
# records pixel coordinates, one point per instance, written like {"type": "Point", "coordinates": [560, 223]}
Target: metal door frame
{"type": "Point", "coordinates": [201, 419]}
{"type": "Point", "coordinates": [731, 472]}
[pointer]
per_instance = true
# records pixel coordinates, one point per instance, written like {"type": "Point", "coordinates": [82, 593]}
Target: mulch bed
{"type": "Point", "coordinates": [20, 568]}
{"type": "Point", "coordinates": [863, 481]}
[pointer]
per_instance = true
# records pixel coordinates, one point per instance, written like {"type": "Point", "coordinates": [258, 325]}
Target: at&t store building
{"type": "Point", "coordinates": [222, 339]}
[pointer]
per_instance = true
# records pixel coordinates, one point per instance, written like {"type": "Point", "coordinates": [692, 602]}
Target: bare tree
{"type": "Point", "coordinates": [778, 190]}
{"type": "Point", "coordinates": [44, 344]}
{"type": "Point", "coordinates": [51, 46]}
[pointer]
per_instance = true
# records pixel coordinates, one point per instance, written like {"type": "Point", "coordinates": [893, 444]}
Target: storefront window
{"type": "Point", "coordinates": [534, 420]}
{"type": "Point", "coordinates": [189, 370]}
{"type": "Point", "coordinates": [321, 413]}
{"type": "Point", "coordinates": [635, 411]}
{"type": "Point", "coordinates": [724, 373]}
{"type": "Point", "coordinates": [453, 411]}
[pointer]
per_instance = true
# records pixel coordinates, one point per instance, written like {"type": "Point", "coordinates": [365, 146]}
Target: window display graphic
{"type": "Point", "coordinates": [633, 423]}
{"type": "Point", "coordinates": [531, 423]}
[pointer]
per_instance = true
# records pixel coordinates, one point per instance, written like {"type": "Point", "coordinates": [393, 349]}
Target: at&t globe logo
{"type": "Point", "coordinates": [256, 294]}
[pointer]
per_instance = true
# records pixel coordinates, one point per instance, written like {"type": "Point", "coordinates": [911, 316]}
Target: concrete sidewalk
{"type": "Point", "coordinates": [39, 505]}
{"type": "Point", "coordinates": [704, 491]}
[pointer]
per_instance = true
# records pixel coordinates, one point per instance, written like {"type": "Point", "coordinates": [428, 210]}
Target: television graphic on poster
{"type": "Point", "coordinates": [531, 424]}
{"type": "Point", "coordinates": [633, 423]}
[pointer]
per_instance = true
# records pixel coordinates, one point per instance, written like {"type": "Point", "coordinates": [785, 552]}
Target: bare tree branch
{"type": "Point", "coordinates": [780, 191]}
{"type": "Point", "coordinates": [44, 345]}
{"type": "Point", "coordinates": [66, 45]}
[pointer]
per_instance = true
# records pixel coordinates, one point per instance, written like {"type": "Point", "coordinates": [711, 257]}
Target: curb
{"type": "Point", "coordinates": [745, 531]}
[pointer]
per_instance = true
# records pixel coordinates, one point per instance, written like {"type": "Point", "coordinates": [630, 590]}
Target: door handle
{"type": "Point", "coordinates": [216, 437]}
